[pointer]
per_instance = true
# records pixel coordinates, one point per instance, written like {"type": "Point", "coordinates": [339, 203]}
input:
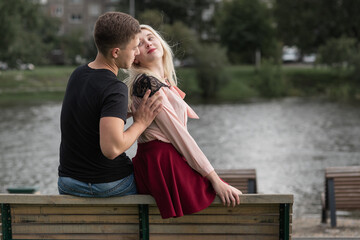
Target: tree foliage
{"type": "Point", "coordinates": [27, 34]}
{"type": "Point", "coordinates": [187, 11]}
{"type": "Point", "coordinates": [210, 62]}
{"type": "Point", "coordinates": [338, 53]}
{"type": "Point", "coordinates": [308, 24]}
{"type": "Point", "coordinates": [245, 26]}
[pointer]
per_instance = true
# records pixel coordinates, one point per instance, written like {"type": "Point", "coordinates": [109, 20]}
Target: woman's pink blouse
{"type": "Point", "coordinates": [170, 125]}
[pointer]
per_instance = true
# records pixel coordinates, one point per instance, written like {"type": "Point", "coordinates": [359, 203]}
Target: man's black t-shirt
{"type": "Point", "coordinates": [90, 95]}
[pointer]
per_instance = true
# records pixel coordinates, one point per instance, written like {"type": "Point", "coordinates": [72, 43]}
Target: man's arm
{"type": "Point", "coordinates": [114, 141]}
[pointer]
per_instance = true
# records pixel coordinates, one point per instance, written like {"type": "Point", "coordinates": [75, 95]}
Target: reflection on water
{"type": "Point", "coordinates": [289, 142]}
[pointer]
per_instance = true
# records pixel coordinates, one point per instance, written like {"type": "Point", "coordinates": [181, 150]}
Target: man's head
{"type": "Point", "coordinates": [115, 30]}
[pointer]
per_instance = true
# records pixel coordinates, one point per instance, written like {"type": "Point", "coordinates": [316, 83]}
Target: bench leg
{"type": "Point", "coordinates": [251, 186]}
{"type": "Point", "coordinates": [6, 222]}
{"type": "Point", "coordinates": [143, 222]}
{"type": "Point", "coordinates": [284, 222]}
{"type": "Point", "coordinates": [332, 203]}
{"type": "Point", "coordinates": [323, 208]}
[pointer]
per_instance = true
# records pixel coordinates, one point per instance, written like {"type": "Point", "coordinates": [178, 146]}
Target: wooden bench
{"type": "Point", "coordinates": [242, 179]}
{"type": "Point", "coordinates": [342, 191]}
{"type": "Point", "coordinates": [259, 216]}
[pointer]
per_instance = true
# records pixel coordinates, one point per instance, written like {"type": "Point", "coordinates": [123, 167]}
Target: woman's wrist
{"type": "Point", "coordinates": [213, 177]}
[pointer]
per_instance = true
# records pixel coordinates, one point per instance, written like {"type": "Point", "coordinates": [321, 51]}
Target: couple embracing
{"type": "Point", "coordinates": [168, 164]}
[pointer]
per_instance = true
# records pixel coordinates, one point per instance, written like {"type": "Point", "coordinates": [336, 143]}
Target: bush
{"type": "Point", "coordinates": [210, 62]}
{"type": "Point", "coordinates": [337, 53]}
{"type": "Point", "coordinates": [270, 81]}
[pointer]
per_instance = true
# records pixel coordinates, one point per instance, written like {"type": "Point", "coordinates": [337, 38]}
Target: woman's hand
{"type": "Point", "coordinates": [228, 194]}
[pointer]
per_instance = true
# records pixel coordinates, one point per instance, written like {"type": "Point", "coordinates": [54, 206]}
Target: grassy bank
{"type": "Point", "coordinates": [42, 84]}
{"type": "Point", "coordinates": [49, 83]}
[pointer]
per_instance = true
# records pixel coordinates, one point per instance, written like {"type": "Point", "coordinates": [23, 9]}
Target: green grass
{"type": "Point", "coordinates": [49, 83]}
{"type": "Point", "coordinates": [40, 78]}
{"type": "Point", "coordinates": [42, 84]}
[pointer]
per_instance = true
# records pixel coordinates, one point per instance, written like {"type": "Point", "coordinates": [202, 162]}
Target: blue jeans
{"type": "Point", "coordinates": [122, 187]}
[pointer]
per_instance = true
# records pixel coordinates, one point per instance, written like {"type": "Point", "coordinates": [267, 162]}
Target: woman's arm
{"type": "Point", "coordinates": [174, 129]}
{"type": "Point", "coordinates": [179, 136]}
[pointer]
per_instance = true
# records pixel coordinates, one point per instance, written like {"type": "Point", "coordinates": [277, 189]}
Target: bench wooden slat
{"type": "Point", "coordinates": [213, 237]}
{"type": "Point", "coordinates": [79, 236]}
{"type": "Point", "coordinates": [75, 228]}
{"type": "Point", "coordinates": [213, 229]}
{"type": "Point", "coordinates": [217, 219]}
{"type": "Point", "coordinates": [341, 171]}
{"type": "Point", "coordinates": [103, 219]}
{"type": "Point", "coordinates": [72, 200]}
{"type": "Point", "coordinates": [239, 178]}
{"type": "Point", "coordinates": [244, 210]}
{"type": "Point", "coordinates": [127, 200]}
{"type": "Point", "coordinates": [99, 210]}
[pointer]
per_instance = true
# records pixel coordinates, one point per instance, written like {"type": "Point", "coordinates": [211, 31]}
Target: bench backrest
{"type": "Point", "coordinates": [67, 217]}
{"type": "Point", "coordinates": [346, 181]}
{"type": "Point", "coordinates": [243, 179]}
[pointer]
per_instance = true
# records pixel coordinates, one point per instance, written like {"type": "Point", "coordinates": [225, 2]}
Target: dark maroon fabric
{"type": "Point", "coordinates": [163, 173]}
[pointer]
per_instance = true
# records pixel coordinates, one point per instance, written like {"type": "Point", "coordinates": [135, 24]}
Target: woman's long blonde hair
{"type": "Point", "coordinates": [168, 63]}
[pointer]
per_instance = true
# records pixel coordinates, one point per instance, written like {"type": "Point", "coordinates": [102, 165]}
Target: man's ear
{"type": "Point", "coordinates": [115, 52]}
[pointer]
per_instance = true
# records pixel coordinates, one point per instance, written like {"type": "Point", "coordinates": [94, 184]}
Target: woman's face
{"type": "Point", "coordinates": [150, 48]}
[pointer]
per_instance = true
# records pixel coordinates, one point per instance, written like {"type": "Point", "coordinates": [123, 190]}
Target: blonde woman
{"type": "Point", "coordinates": [168, 164]}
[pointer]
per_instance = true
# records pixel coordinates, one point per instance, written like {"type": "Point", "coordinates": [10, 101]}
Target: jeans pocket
{"type": "Point", "coordinates": [67, 185]}
{"type": "Point", "coordinates": [121, 187]}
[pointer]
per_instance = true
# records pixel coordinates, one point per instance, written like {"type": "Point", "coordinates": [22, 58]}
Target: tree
{"type": "Point", "coordinates": [26, 33]}
{"type": "Point", "coordinates": [308, 24]}
{"type": "Point", "coordinates": [190, 12]}
{"type": "Point", "coordinates": [210, 62]}
{"type": "Point", "coordinates": [245, 26]}
{"type": "Point", "coordinates": [338, 53]}
{"type": "Point", "coordinates": [183, 40]}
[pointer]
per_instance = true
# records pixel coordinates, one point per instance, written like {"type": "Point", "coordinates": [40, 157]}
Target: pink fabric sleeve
{"type": "Point", "coordinates": [176, 131]}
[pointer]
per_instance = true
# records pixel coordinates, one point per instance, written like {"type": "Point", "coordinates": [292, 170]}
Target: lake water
{"type": "Point", "coordinates": [289, 142]}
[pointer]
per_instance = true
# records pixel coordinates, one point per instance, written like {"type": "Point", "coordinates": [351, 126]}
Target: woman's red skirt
{"type": "Point", "coordinates": [163, 173]}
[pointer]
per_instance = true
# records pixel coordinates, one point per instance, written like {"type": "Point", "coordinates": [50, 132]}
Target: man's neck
{"type": "Point", "coordinates": [101, 62]}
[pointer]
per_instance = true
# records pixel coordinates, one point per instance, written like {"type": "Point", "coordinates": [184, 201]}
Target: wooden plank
{"type": "Point", "coordinates": [262, 198]}
{"type": "Point", "coordinates": [241, 171]}
{"type": "Point", "coordinates": [75, 228]}
{"type": "Point", "coordinates": [347, 189]}
{"type": "Point", "coordinates": [240, 209]}
{"type": "Point", "coordinates": [101, 236]}
{"type": "Point", "coordinates": [73, 200]}
{"type": "Point", "coordinates": [84, 219]}
{"type": "Point", "coordinates": [38, 209]}
{"type": "Point", "coordinates": [213, 237]}
{"type": "Point", "coordinates": [214, 229]}
{"type": "Point", "coordinates": [343, 169]}
{"type": "Point", "coordinates": [347, 195]}
{"type": "Point", "coordinates": [130, 199]}
{"type": "Point", "coordinates": [216, 219]}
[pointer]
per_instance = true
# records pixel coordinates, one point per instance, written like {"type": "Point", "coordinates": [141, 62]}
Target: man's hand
{"type": "Point", "coordinates": [148, 109]}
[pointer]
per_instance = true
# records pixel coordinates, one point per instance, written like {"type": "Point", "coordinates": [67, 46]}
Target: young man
{"type": "Point", "coordinates": [93, 162]}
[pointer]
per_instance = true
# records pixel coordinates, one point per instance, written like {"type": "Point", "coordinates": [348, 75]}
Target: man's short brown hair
{"type": "Point", "coordinates": [114, 29]}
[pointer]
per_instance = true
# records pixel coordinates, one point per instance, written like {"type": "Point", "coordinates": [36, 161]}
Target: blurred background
{"type": "Point", "coordinates": [276, 84]}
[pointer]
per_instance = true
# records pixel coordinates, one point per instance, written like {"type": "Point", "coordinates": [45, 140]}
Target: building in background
{"type": "Point", "coordinates": [79, 15]}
